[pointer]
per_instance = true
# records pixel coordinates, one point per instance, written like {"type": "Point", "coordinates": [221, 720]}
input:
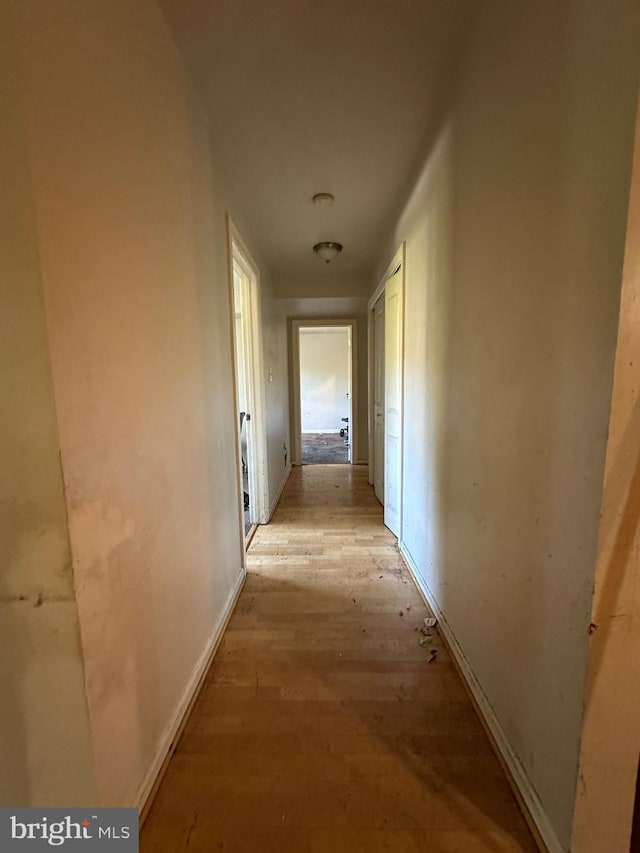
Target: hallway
{"type": "Point", "coordinates": [321, 725]}
{"type": "Point", "coordinates": [479, 164]}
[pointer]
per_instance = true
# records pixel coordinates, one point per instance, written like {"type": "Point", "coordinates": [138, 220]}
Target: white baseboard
{"type": "Point", "coordinates": [171, 734]}
{"type": "Point", "coordinates": [274, 502]}
{"type": "Point", "coordinates": [320, 431]}
{"type": "Point", "coordinates": [519, 778]}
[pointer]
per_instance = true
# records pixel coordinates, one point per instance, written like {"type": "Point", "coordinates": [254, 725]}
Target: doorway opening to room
{"type": "Point", "coordinates": [324, 427]}
{"type": "Point", "coordinates": [250, 410]}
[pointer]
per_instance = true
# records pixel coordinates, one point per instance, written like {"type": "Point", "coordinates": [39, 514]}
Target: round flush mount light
{"type": "Point", "coordinates": [323, 199]}
{"type": "Point", "coordinates": [327, 250]}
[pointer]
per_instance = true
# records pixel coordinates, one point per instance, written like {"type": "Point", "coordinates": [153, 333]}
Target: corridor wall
{"type": "Point", "coordinates": [514, 242]}
{"type": "Point", "coordinates": [129, 218]}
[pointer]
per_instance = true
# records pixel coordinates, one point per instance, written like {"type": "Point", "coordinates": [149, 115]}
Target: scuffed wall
{"type": "Point", "coordinates": [133, 247]}
{"type": "Point", "coordinates": [514, 239]}
{"type": "Point", "coordinates": [44, 728]}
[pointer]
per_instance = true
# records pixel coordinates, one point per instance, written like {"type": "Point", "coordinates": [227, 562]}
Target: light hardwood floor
{"type": "Point", "coordinates": [322, 727]}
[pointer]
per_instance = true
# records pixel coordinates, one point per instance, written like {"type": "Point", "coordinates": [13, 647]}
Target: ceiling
{"type": "Point", "coordinates": [308, 96]}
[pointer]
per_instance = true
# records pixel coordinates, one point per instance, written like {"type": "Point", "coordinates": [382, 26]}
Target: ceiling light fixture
{"type": "Point", "coordinates": [323, 199]}
{"type": "Point", "coordinates": [327, 250]}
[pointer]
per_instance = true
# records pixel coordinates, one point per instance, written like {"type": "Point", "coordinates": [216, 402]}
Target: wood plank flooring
{"type": "Point", "coordinates": [322, 727]}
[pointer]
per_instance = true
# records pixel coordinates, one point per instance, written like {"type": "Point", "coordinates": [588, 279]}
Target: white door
{"type": "Point", "coordinates": [378, 398]}
{"type": "Point", "coordinates": [244, 396]}
{"type": "Point", "coordinates": [249, 390]}
{"type": "Point", "coordinates": [393, 402]}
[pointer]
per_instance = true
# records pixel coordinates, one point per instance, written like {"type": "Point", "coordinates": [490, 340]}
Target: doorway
{"type": "Point", "coordinates": [325, 394]}
{"type": "Point", "coordinates": [324, 422]}
{"type": "Point", "coordinates": [386, 392]}
{"type": "Point", "coordinates": [245, 300]}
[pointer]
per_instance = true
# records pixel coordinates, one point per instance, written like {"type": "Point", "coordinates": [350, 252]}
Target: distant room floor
{"type": "Point", "coordinates": [320, 448]}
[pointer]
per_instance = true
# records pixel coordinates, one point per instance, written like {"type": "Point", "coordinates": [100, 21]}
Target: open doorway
{"type": "Point", "coordinates": [250, 411]}
{"type": "Point", "coordinates": [325, 394]}
{"type": "Point", "coordinates": [323, 390]}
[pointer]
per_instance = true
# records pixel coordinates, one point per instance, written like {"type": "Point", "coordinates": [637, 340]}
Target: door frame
{"type": "Point", "coordinates": [239, 255]}
{"type": "Point", "coordinates": [396, 265]}
{"type": "Point", "coordinates": [295, 324]}
{"type": "Point", "coordinates": [372, 353]}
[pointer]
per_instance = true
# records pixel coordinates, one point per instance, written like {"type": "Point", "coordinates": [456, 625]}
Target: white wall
{"type": "Point", "coordinates": [329, 283]}
{"type": "Point", "coordinates": [325, 358]}
{"type": "Point", "coordinates": [276, 383]}
{"type": "Point", "coordinates": [133, 244]}
{"type": "Point", "coordinates": [128, 221]}
{"type": "Point", "coordinates": [514, 238]}
{"type": "Point", "coordinates": [44, 726]}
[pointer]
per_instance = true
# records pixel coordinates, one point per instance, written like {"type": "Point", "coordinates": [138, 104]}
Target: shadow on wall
{"type": "Point", "coordinates": [16, 639]}
{"type": "Point", "coordinates": [511, 321]}
{"type": "Point", "coordinates": [210, 256]}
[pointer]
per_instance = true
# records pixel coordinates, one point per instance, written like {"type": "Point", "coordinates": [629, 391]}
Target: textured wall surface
{"type": "Point", "coordinates": [514, 238]}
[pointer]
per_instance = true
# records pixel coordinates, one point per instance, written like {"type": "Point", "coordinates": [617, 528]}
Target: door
{"type": "Point", "coordinates": [378, 398]}
{"type": "Point", "coordinates": [249, 416]}
{"type": "Point", "coordinates": [393, 323]}
{"type": "Point", "coordinates": [243, 397]}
